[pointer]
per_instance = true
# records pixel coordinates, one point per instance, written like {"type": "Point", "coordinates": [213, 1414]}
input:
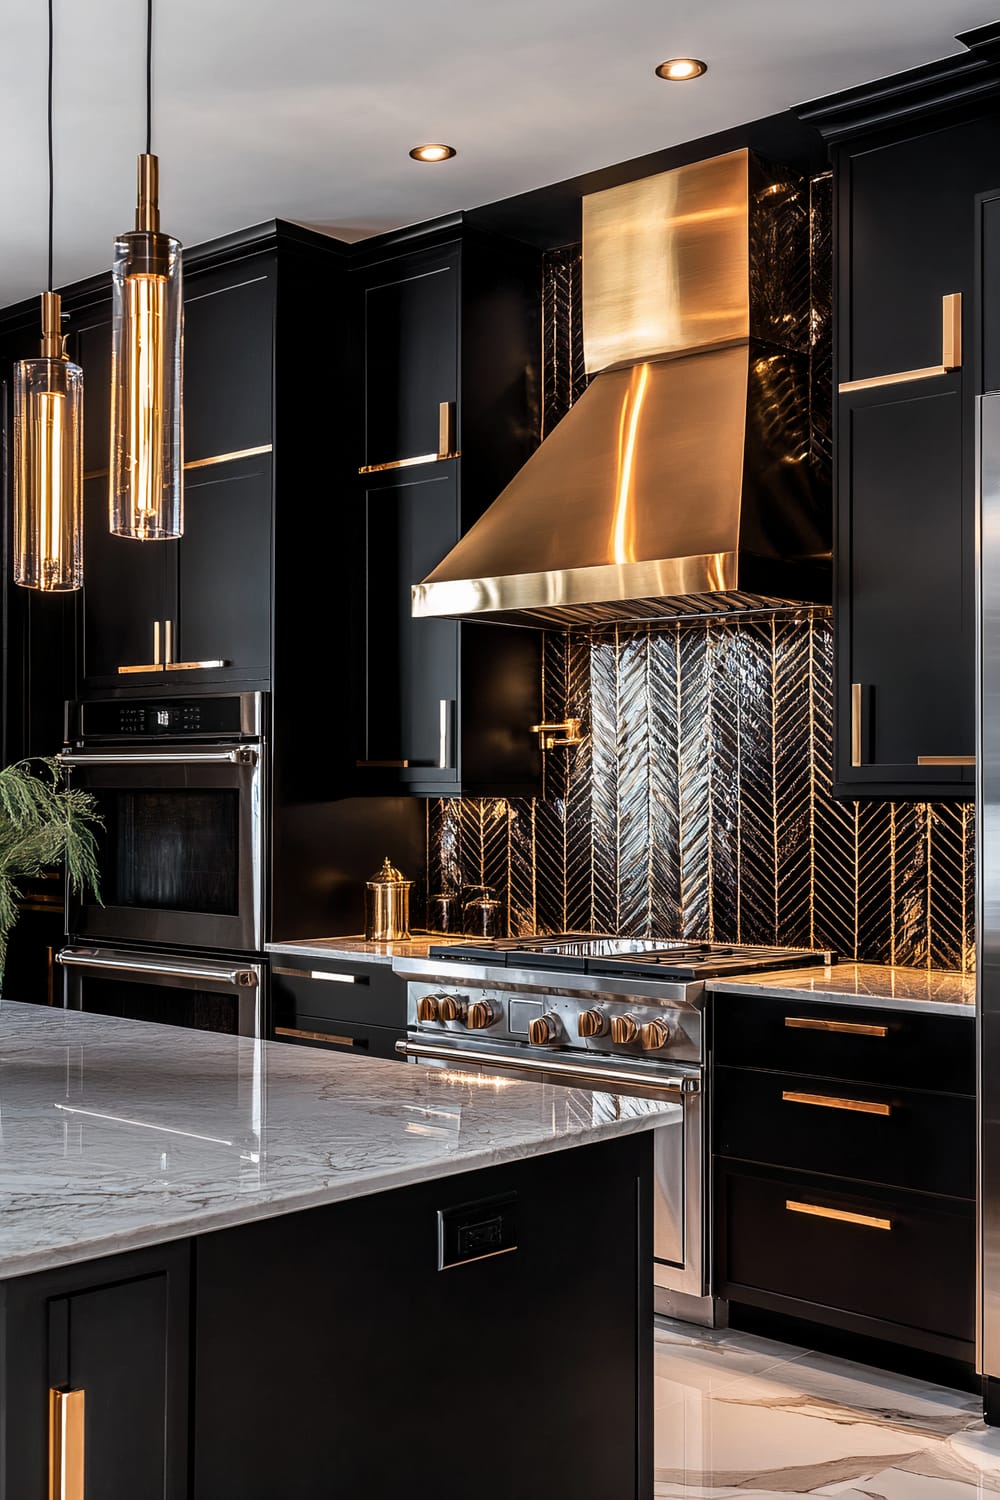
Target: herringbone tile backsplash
{"type": "Point", "coordinates": [699, 806]}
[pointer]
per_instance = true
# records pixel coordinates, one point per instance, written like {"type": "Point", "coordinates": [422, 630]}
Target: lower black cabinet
{"type": "Point", "coordinates": [346, 1005]}
{"type": "Point", "coordinates": [876, 1261]}
{"type": "Point", "coordinates": [117, 1331]}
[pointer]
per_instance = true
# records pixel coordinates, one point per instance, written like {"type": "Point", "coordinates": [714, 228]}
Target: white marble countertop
{"type": "Point", "coordinates": [359, 947]}
{"type": "Point", "coordinates": [932, 991]}
{"type": "Point", "coordinates": [116, 1134]}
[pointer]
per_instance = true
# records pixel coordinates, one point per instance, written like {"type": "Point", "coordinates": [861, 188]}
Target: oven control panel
{"type": "Point", "coordinates": [215, 716]}
{"type": "Point", "coordinates": [618, 1026]}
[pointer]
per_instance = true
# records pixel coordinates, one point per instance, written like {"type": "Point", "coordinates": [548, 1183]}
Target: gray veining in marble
{"type": "Point", "coordinates": [116, 1134]}
{"type": "Point", "coordinates": [875, 986]}
{"type": "Point", "coordinates": [359, 947]}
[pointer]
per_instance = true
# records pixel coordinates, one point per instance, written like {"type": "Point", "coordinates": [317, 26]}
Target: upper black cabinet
{"type": "Point", "coordinates": [174, 614]}
{"type": "Point", "coordinates": [909, 306]}
{"type": "Point", "coordinates": [445, 336]}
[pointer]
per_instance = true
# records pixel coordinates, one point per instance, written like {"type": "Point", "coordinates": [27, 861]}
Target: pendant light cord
{"type": "Point", "coordinates": [149, 76]}
{"type": "Point", "coordinates": [51, 155]}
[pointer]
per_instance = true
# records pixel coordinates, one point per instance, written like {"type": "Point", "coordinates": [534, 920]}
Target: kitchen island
{"type": "Point", "coordinates": [277, 1272]}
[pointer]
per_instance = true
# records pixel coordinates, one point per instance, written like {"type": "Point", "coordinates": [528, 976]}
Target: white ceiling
{"type": "Point", "coordinates": [305, 109]}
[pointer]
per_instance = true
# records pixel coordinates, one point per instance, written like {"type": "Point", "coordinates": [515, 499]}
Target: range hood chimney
{"type": "Point", "coordinates": [681, 480]}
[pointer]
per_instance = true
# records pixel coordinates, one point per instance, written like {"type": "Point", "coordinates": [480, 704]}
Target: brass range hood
{"type": "Point", "coordinates": [680, 482]}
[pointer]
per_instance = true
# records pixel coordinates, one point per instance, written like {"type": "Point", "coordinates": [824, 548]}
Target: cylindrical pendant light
{"type": "Point", "coordinates": [48, 444]}
{"type": "Point", "coordinates": [146, 498]}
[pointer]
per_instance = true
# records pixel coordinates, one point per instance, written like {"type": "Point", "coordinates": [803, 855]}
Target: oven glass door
{"type": "Point", "coordinates": [179, 848]}
{"type": "Point", "coordinates": [171, 990]}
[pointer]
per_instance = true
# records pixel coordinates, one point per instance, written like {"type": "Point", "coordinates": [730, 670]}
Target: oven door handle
{"type": "Point", "coordinates": [238, 979]}
{"type": "Point", "coordinates": [159, 758]}
{"type": "Point", "coordinates": [590, 1077]}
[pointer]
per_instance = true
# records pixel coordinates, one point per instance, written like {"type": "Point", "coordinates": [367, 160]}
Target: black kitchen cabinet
{"type": "Point", "coordinates": [339, 1004]}
{"type": "Point", "coordinates": [118, 1331]}
{"type": "Point", "coordinates": [910, 157]}
{"type": "Point", "coordinates": [844, 1164]}
{"type": "Point", "coordinates": [445, 333]}
{"type": "Point", "coordinates": [196, 610]}
{"type": "Point", "coordinates": [252, 1361]}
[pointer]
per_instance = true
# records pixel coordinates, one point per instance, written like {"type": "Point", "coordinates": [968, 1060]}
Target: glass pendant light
{"type": "Point", "coordinates": [48, 444]}
{"type": "Point", "coordinates": [146, 498]}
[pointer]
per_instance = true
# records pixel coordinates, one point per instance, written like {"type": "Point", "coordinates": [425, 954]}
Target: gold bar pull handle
{"type": "Point", "coordinates": [158, 662]}
{"type": "Point", "coordinates": [66, 1444]}
{"type": "Point", "coordinates": [321, 1036]}
{"type": "Point", "coordinates": [867, 1221]}
{"type": "Point", "coordinates": [828, 1101]}
{"type": "Point", "coordinates": [446, 430]}
{"type": "Point", "coordinates": [848, 1028]}
{"type": "Point", "coordinates": [951, 352]}
{"type": "Point", "coordinates": [946, 760]}
{"type": "Point", "coordinates": [856, 725]}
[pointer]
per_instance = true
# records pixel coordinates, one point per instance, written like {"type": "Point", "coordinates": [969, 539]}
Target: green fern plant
{"type": "Point", "coordinates": [43, 823]}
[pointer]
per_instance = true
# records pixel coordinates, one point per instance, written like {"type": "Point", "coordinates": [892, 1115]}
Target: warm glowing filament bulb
{"type": "Point", "coordinates": [49, 418]}
{"type": "Point", "coordinates": [144, 402]}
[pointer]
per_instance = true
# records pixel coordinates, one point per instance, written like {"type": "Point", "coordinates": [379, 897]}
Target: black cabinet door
{"type": "Point", "coordinates": [411, 354]}
{"type": "Point", "coordinates": [224, 583]}
{"type": "Point", "coordinates": [228, 359]}
{"type": "Point", "coordinates": [118, 1332]}
{"type": "Point", "coordinates": [129, 592]}
{"type": "Point", "coordinates": [905, 623]}
{"type": "Point", "coordinates": [906, 662]}
{"type": "Point", "coordinates": [412, 666]}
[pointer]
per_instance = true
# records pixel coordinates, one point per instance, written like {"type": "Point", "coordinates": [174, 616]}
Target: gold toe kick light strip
{"type": "Point", "coordinates": [867, 1221]}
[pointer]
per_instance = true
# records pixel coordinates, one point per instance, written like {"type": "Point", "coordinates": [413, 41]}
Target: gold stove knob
{"type": "Point", "coordinates": [655, 1034]}
{"type": "Point", "coordinates": [451, 1008]}
{"type": "Point", "coordinates": [543, 1029]}
{"type": "Point", "coordinates": [624, 1029]}
{"type": "Point", "coordinates": [427, 1008]}
{"type": "Point", "coordinates": [480, 1015]}
{"type": "Point", "coordinates": [591, 1023]}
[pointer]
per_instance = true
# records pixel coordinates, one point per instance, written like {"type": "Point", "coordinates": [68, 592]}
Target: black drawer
{"type": "Point", "coordinates": [339, 1036]}
{"type": "Point", "coordinates": [901, 1049]}
{"type": "Point", "coordinates": [897, 1258]}
{"type": "Point", "coordinates": [902, 1137]}
{"type": "Point", "coordinates": [342, 991]}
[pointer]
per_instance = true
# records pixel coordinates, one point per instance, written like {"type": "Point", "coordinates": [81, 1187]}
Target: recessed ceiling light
{"type": "Point", "coordinates": [677, 69]}
{"type": "Point", "coordinates": [432, 153]}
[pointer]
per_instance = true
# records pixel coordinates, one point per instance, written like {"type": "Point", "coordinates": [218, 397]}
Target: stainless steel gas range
{"type": "Point", "coordinates": [623, 1016]}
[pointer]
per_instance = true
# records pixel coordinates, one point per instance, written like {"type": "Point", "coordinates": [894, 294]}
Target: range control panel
{"type": "Point", "coordinates": [628, 1028]}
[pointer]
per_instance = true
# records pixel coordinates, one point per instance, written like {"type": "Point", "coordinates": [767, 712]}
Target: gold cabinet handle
{"type": "Point", "coordinates": [367, 765]}
{"type": "Point", "coordinates": [159, 661]}
{"type": "Point", "coordinates": [866, 1220]}
{"type": "Point", "coordinates": [946, 760]}
{"type": "Point", "coordinates": [66, 1444]}
{"type": "Point", "coordinates": [828, 1101]}
{"type": "Point", "coordinates": [951, 352]}
{"type": "Point", "coordinates": [849, 1028]}
{"type": "Point", "coordinates": [195, 666]}
{"type": "Point", "coordinates": [320, 1036]}
{"type": "Point", "coordinates": [320, 974]}
{"type": "Point", "coordinates": [446, 445]}
{"type": "Point", "coordinates": [856, 695]}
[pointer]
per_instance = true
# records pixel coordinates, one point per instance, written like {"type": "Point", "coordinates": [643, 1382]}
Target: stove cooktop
{"type": "Point", "coordinates": [599, 953]}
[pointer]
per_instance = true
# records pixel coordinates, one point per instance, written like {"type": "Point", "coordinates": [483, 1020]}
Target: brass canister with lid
{"type": "Point", "coordinates": [387, 905]}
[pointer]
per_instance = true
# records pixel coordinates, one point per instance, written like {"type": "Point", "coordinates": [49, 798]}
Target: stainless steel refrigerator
{"type": "Point", "coordinates": [988, 897]}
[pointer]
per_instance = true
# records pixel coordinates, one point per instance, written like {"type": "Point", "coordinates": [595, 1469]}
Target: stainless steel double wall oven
{"type": "Point", "coordinates": [178, 932]}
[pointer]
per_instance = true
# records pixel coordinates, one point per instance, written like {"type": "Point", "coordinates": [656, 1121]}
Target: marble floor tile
{"type": "Point", "coordinates": [738, 1417]}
